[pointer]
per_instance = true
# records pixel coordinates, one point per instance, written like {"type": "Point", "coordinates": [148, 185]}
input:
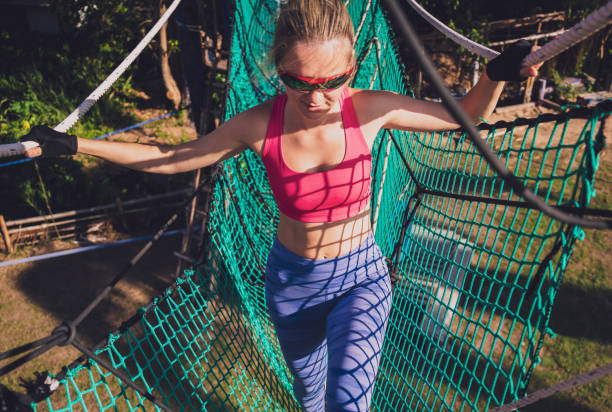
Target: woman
{"type": "Point", "coordinates": [327, 287]}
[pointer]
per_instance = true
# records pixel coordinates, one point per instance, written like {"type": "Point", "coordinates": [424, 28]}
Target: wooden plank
{"type": "Point", "coordinates": [70, 228]}
{"type": "Point", "coordinates": [549, 103]}
{"type": "Point", "coordinates": [532, 37]}
{"type": "Point", "coordinates": [94, 209]}
{"type": "Point", "coordinates": [527, 21]}
{"type": "Point", "coordinates": [6, 236]}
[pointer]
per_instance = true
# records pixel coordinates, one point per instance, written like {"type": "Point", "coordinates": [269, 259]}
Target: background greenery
{"type": "Point", "coordinates": [43, 78]}
{"type": "Point", "coordinates": [592, 56]}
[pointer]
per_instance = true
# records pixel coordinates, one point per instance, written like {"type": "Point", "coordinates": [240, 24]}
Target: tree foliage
{"type": "Point", "coordinates": [43, 78]}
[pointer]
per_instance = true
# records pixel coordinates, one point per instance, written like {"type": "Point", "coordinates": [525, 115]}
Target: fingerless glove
{"type": "Point", "coordinates": [51, 142]}
{"type": "Point", "coordinates": [507, 66]}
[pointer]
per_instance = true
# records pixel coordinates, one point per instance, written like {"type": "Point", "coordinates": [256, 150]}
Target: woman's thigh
{"type": "Point", "coordinates": [301, 336]}
{"type": "Point", "coordinates": [355, 333]}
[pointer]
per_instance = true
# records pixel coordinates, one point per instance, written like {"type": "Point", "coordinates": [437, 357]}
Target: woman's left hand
{"type": "Point", "coordinates": [508, 65]}
{"type": "Point", "coordinates": [531, 71]}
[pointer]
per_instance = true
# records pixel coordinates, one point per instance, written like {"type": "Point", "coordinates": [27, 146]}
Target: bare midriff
{"type": "Point", "coordinates": [324, 240]}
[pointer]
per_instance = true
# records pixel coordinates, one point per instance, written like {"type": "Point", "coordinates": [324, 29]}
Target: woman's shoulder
{"type": "Point", "coordinates": [378, 103]}
{"type": "Point", "coordinates": [253, 118]}
{"type": "Point", "coordinates": [371, 96]}
{"type": "Point", "coordinates": [372, 106]}
{"type": "Point", "coordinates": [253, 124]}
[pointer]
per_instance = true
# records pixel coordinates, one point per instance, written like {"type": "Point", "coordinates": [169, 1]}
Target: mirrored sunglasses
{"type": "Point", "coordinates": [307, 84]}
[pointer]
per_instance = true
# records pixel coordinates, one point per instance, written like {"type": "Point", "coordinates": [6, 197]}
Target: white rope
{"type": "Point", "coordinates": [14, 149]}
{"type": "Point", "coordinates": [472, 46]}
{"type": "Point", "coordinates": [587, 27]}
{"type": "Point", "coordinates": [591, 24]}
{"type": "Point", "coordinates": [68, 122]}
{"type": "Point", "coordinates": [84, 107]}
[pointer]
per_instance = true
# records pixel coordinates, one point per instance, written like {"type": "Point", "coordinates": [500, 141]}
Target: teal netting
{"type": "Point", "coordinates": [477, 280]}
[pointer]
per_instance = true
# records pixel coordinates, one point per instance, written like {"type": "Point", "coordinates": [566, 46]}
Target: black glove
{"type": "Point", "coordinates": [507, 66]}
{"type": "Point", "coordinates": [51, 142]}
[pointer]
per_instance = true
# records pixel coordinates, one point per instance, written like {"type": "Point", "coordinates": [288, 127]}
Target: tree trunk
{"type": "Point", "coordinates": [172, 91]}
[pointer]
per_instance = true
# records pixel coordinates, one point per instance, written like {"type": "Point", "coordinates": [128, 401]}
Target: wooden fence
{"type": "Point", "coordinates": [72, 223]}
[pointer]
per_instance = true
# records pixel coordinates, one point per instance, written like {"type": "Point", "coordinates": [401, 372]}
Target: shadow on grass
{"type": "Point", "coordinates": [576, 312]}
{"type": "Point", "coordinates": [64, 286]}
{"type": "Point", "coordinates": [557, 404]}
{"type": "Point", "coordinates": [195, 349]}
{"type": "Point", "coordinates": [582, 314]}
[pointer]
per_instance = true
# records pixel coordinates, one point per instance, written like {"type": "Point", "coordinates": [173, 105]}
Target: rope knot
{"type": "Point", "coordinates": [67, 329]}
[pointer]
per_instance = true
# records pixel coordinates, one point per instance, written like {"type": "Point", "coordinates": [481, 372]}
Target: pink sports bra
{"type": "Point", "coordinates": [327, 196]}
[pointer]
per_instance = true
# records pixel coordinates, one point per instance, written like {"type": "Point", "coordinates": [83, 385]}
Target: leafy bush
{"type": "Point", "coordinates": [45, 77]}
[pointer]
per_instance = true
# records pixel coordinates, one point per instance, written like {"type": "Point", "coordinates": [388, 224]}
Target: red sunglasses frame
{"type": "Point", "coordinates": [317, 80]}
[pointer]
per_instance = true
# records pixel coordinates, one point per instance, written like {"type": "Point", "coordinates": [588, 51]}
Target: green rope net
{"type": "Point", "coordinates": [476, 278]}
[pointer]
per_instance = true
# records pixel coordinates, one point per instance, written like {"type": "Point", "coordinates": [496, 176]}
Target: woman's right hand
{"type": "Point", "coordinates": [51, 143]}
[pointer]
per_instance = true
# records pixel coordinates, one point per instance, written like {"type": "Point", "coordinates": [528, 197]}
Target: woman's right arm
{"type": "Point", "coordinates": [220, 144]}
{"type": "Point", "coordinates": [227, 140]}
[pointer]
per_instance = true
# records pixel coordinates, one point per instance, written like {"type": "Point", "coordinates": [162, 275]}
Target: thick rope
{"type": "Point", "coordinates": [68, 122]}
{"type": "Point", "coordinates": [13, 148]}
{"type": "Point", "coordinates": [532, 37]}
{"type": "Point", "coordinates": [472, 46]}
{"type": "Point", "coordinates": [84, 107]}
{"type": "Point", "coordinates": [587, 27]}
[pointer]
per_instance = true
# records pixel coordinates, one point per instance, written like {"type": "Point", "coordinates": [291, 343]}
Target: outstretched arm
{"type": "Point", "coordinates": [218, 145]}
{"type": "Point", "coordinates": [227, 140]}
{"type": "Point", "coordinates": [404, 113]}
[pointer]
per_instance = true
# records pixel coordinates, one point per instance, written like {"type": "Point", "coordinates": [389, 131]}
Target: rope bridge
{"type": "Point", "coordinates": [476, 269]}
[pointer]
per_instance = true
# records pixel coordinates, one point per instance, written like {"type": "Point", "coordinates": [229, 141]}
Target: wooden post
{"type": "Point", "coordinates": [121, 213]}
{"type": "Point", "coordinates": [531, 80]}
{"type": "Point", "coordinates": [189, 220]}
{"type": "Point", "coordinates": [419, 85]}
{"type": "Point", "coordinates": [5, 235]}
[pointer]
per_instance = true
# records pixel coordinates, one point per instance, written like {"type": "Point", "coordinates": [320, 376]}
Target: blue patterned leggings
{"type": "Point", "coordinates": [330, 316]}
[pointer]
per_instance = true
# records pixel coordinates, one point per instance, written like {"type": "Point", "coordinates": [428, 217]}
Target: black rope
{"type": "Point", "coordinates": [56, 340]}
{"type": "Point", "coordinates": [559, 387]}
{"type": "Point", "coordinates": [419, 185]}
{"type": "Point", "coordinates": [24, 348]}
{"type": "Point", "coordinates": [578, 112]}
{"type": "Point", "coordinates": [461, 117]}
{"type": "Point", "coordinates": [537, 278]}
{"type": "Point", "coordinates": [393, 262]}
{"type": "Point", "coordinates": [518, 204]}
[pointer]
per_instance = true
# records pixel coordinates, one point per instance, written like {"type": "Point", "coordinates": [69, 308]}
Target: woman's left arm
{"type": "Point", "coordinates": [396, 111]}
{"type": "Point", "coordinates": [405, 113]}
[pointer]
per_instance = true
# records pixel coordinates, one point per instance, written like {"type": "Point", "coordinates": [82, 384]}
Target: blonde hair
{"type": "Point", "coordinates": [310, 21]}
